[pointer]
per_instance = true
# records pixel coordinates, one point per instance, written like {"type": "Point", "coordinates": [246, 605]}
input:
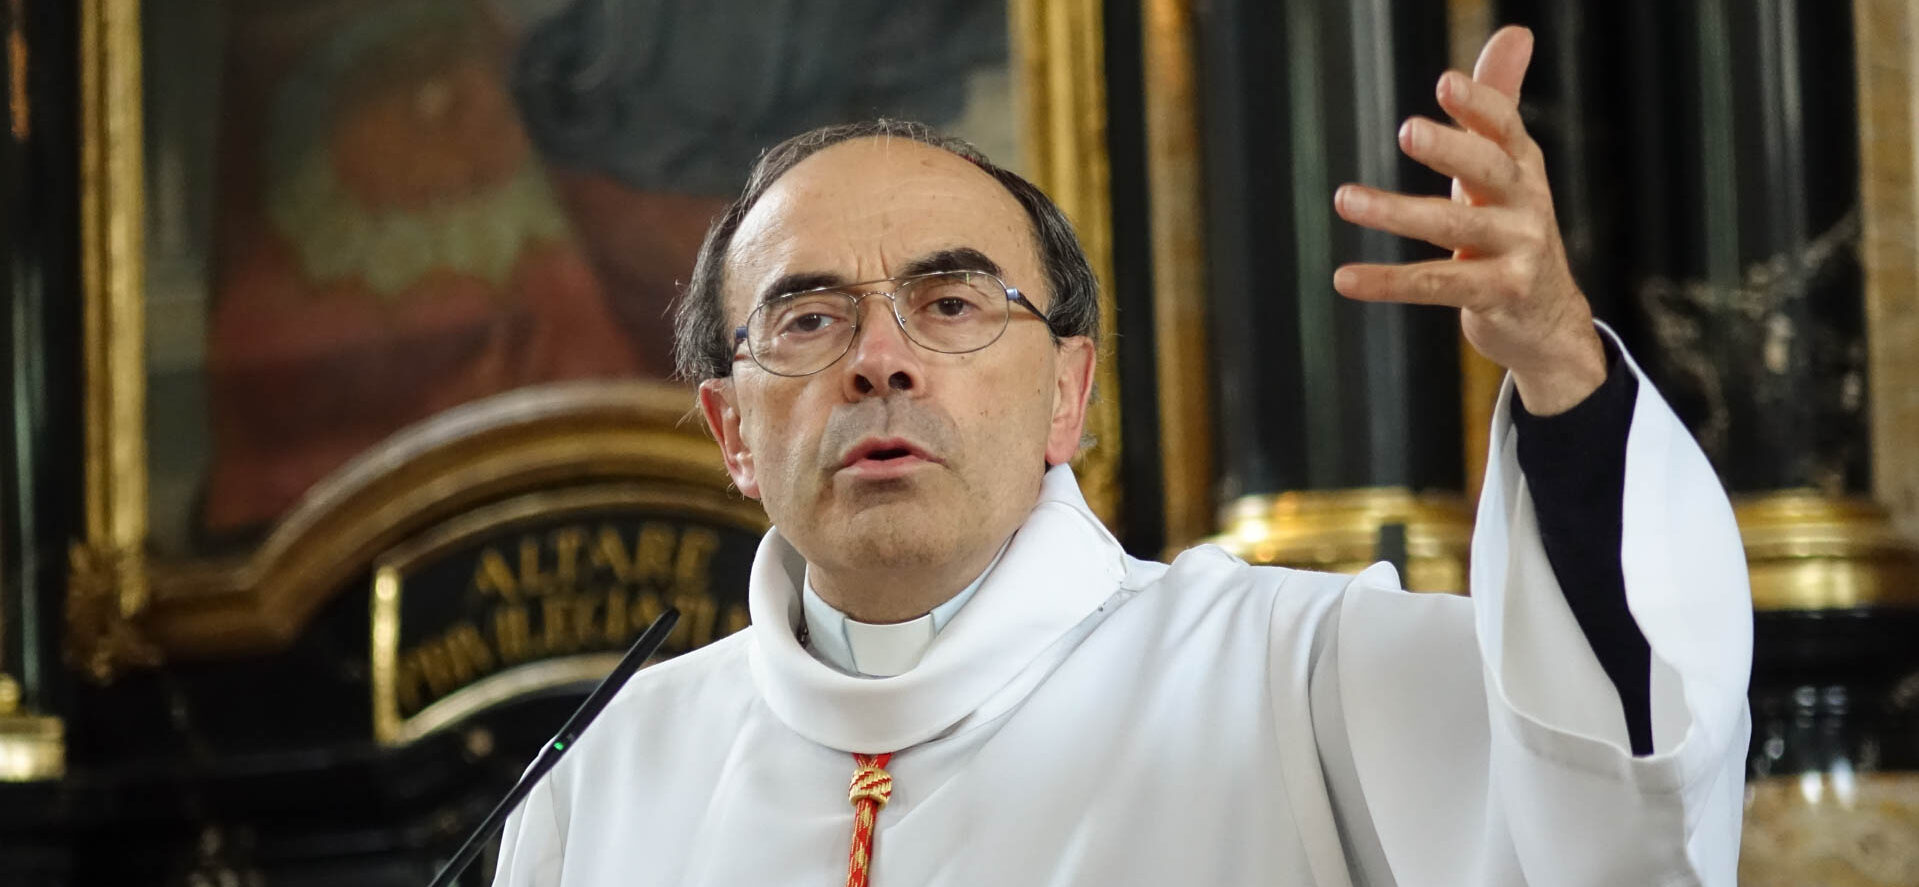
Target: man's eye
{"type": "Point", "coordinates": [952, 307]}
{"type": "Point", "coordinates": [809, 323]}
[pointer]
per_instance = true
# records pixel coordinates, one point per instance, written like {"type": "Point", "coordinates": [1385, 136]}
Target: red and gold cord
{"type": "Point", "coordinates": [871, 788]}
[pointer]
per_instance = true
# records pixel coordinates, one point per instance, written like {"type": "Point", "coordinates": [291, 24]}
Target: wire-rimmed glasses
{"type": "Point", "coordinates": [952, 312]}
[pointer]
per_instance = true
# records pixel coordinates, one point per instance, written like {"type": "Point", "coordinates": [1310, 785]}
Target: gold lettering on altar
{"type": "Point", "coordinates": [493, 576]}
{"type": "Point", "coordinates": [572, 589]}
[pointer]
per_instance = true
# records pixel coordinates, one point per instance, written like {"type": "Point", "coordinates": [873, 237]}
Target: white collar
{"type": "Point", "coordinates": [1057, 570]}
{"type": "Point", "coordinates": [872, 650]}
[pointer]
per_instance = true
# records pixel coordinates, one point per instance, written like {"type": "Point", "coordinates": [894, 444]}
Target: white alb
{"type": "Point", "coordinates": [1092, 719]}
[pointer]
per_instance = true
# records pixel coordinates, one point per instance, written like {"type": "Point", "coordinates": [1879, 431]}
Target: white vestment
{"type": "Point", "coordinates": [1092, 719]}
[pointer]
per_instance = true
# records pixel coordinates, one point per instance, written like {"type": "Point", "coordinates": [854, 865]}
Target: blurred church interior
{"type": "Point", "coordinates": [343, 455]}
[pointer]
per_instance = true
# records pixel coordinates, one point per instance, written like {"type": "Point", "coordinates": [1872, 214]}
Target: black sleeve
{"type": "Point", "coordinates": [1575, 465]}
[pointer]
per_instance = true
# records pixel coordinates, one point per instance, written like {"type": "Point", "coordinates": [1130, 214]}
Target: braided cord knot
{"type": "Point", "coordinates": [871, 782]}
{"type": "Point", "coordinates": [871, 788]}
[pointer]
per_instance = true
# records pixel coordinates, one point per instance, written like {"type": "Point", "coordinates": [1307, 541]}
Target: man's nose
{"type": "Point", "coordinates": [882, 359]}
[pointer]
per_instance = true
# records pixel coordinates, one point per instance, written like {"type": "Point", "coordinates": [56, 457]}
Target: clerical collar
{"type": "Point", "coordinates": [1059, 569]}
{"type": "Point", "coordinates": [869, 650]}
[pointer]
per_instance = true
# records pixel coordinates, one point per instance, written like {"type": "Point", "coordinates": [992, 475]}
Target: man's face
{"type": "Point", "coordinates": [821, 452]}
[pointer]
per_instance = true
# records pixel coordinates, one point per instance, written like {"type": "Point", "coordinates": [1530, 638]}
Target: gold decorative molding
{"type": "Point", "coordinates": [530, 439]}
{"type": "Point", "coordinates": [1809, 551]}
{"type": "Point", "coordinates": [1060, 77]}
{"type": "Point", "coordinates": [1176, 192]}
{"type": "Point", "coordinates": [1884, 34]}
{"type": "Point", "coordinates": [1338, 531]}
{"type": "Point", "coordinates": [113, 285]}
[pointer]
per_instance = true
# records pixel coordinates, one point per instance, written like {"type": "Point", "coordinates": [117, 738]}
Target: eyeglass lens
{"type": "Point", "coordinates": [805, 332]}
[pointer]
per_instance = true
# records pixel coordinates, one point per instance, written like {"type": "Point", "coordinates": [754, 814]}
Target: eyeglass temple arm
{"type": "Point", "coordinates": [1012, 295]}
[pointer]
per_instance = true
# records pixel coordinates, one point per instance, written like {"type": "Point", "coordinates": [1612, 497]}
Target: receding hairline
{"type": "Point", "coordinates": [1022, 220]}
{"type": "Point", "coordinates": [702, 337]}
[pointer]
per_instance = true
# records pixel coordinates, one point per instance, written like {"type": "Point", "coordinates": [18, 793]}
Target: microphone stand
{"type": "Point", "coordinates": [643, 649]}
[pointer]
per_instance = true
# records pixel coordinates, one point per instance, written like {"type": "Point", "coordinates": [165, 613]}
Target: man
{"type": "Point", "coordinates": [896, 342]}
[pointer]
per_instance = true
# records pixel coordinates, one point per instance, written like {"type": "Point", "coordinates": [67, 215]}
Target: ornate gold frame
{"type": "Point", "coordinates": [1060, 76]}
{"type": "Point", "coordinates": [108, 584]}
{"type": "Point", "coordinates": [390, 569]}
{"type": "Point", "coordinates": [125, 609]}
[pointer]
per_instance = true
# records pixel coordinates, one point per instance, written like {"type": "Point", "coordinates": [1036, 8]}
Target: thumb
{"type": "Point", "coordinates": [1502, 63]}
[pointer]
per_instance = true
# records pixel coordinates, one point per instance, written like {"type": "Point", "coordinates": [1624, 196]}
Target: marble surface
{"type": "Point", "coordinates": [1834, 829]}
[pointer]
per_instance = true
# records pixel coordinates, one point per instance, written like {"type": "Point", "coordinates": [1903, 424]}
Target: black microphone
{"type": "Point", "coordinates": [643, 649]}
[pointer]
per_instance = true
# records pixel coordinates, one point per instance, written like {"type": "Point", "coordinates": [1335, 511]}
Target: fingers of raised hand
{"type": "Point", "coordinates": [1437, 220]}
{"type": "Point", "coordinates": [1459, 284]}
{"type": "Point", "coordinates": [1504, 59]}
{"type": "Point", "coordinates": [1485, 172]}
{"type": "Point", "coordinates": [1486, 111]}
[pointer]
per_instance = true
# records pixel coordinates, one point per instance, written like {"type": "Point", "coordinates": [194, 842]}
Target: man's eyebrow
{"type": "Point", "coordinates": [798, 281]}
{"type": "Point", "coordinates": [959, 258]}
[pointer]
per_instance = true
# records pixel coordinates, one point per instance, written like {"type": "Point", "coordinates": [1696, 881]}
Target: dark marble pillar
{"type": "Point", "coordinates": [1704, 165]}
{"type": "Point", "coordinates": [1747, 280]}
{"type": "Point", "coordinates": [1704, 162]}
{"type": "Point", "coordinates": [1324, 405]}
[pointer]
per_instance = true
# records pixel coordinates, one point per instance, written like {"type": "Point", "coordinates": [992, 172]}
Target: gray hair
{"type": "Point", "coordinates": [702, 340]}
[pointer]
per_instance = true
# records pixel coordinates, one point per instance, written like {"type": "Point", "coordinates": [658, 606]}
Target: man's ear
{"type": "Point", "coordinates": [723, 419]}
{"type": "Point", "coordinates": [1072, 387]}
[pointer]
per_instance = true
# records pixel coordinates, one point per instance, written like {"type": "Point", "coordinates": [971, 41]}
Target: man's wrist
{"type": "Point", "coordinates": [1566, 382]}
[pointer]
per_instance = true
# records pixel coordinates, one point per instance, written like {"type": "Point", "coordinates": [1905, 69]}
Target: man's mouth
{"type": "Point", "coordinates": [885, 458]}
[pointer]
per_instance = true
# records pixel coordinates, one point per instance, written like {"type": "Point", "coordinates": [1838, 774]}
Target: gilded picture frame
{"type": "Point", "coordinates": [128, 607]}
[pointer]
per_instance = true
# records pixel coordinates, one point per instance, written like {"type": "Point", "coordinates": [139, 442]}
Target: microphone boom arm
{"type": "Point", "coordinates": [642, 650]}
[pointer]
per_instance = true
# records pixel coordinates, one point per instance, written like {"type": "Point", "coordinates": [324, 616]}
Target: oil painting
{"type": "Point", "coordinates": [363, 213]}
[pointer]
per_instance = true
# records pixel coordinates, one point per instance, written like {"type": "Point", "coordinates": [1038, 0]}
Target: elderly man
{"type": "Point", "coordinates": [896, 339]}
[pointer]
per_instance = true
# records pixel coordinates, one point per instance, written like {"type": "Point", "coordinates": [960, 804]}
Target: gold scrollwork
{"type": "Point", "coordinates": [101, 636]}
{"type": "Point", "coordinates": [1338, 531]}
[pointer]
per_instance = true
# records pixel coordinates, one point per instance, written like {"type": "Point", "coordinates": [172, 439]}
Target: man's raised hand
{"type": "Point", "coordinates": [1508, 275]}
